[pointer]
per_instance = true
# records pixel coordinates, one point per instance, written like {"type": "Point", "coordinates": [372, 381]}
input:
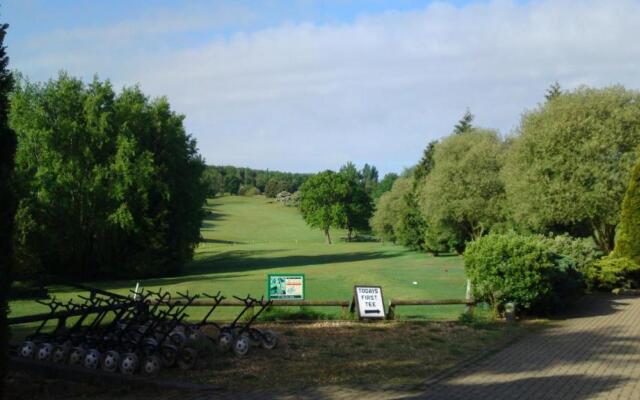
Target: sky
{"type": "Point", "coordinates": [305, 85]}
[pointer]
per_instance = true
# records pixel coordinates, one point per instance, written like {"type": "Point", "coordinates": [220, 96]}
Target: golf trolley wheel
{"type": "Point", "coordinates": [187, 358]}
{"type": "Point", "coordinates": [195, 336]}
{"type": "Point", "coordinates": [129, 364]}
{"type": "Point", "coordinates": [28, 349]}
{"type": "Point", "coordinates": [111, 361]}
{"type": "Point", "coordinates": [45, 350]}
{"type": "Point", "coordinates": [269, 340]}
{"type": "Point", "coordinates": [225, 340]}
{"type": "Point", "coordinates": [168, 355]}
{"type": "Point", "coordinates": [92, 359]}
{"type": "Point", "coordinates": [178, 338]}
{"type": "Point", "coordinates": [151, 365]}
{"type": "Point", "coordinates": [241, 345]}
{"type": "Point", "coordinates": [60, 353]}
{"type": "Point", "coordinates": [76, 357]}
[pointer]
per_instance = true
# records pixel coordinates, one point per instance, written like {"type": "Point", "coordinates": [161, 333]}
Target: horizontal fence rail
{"type": "Point", "coordinates": [391, 314]}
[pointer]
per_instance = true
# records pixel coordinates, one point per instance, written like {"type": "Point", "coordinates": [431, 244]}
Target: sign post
{"type": "Point", "coordinates": [285, 287]}
{"type": "Point", "coordinates": [369, 302]}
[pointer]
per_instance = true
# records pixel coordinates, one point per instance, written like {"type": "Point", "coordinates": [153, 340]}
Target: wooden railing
{"type": "Point", "coordinates": [391, 313]}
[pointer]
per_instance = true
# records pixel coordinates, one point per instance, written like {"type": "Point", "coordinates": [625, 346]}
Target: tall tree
{"type": "Point", "coordinates": [570, 162]}
{"type": "Point", "coordinates": [464, 193]}
{"type": "Point", "coordinates": [110, 184]}
{"type": "Point", "coordinates": [7, 201]}
{"type": "Point", "coordinates": [357, 203]}
{"type": "Point", "coordinates": [426, 162]}
{"type": "Point", "coordinates": [322, 201]}
{"type": "Point", "coordinates": [385, 184]}
{"type": "Point", "coordinates": [369, 175]}
{"type": "Point", "coordinates": [628, 237]}
{"type": "Point", "coordinates": [553, 91]}
{"type": "Point", "coordinates": [464, 125]}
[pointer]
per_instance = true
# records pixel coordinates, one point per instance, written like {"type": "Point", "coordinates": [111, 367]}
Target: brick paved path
{"type": "Point", "coordinates": [592, 355]}
{"type": "Point", "coordinates": [595, 355]}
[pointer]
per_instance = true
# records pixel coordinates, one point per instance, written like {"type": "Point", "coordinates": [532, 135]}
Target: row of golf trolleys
{"type": "Point", "coordinates": [144, 332]}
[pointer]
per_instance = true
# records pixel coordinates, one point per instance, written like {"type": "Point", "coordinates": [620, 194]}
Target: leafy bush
{"type": "Point", "coordinates": [614, 272]}
{"type": "Point", "coordinates": [248, 190]}
{"type": "Point", "coordinates": [522, 269]}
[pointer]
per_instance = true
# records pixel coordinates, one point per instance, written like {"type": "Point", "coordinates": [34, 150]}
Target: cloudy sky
{"type": "Point", "coordinates": [309, 85]}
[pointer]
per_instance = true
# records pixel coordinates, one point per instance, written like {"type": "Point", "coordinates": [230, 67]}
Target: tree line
{"type": "Point", "coordinates": [247, 181]}
{"type": "Point", "coordinates": [565, 169]}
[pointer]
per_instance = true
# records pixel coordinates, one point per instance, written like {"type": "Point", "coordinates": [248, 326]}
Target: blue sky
{"type": "Point", "coordinates": [310, 85]}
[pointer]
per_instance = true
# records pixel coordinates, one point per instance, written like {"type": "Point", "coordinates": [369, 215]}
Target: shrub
{"type": "Point", "coordinates": [248, 190]}
{"type": "Point", "coordinates": [614, 272]}
{"type": "Point", "coordinates": [522, 269]}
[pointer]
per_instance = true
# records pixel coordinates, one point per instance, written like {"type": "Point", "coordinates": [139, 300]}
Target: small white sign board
{"type": "Point", "coordinates": [369, 302]}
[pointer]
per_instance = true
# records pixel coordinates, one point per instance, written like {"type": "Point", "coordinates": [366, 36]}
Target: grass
{"type": "Point", "coordinates": [244, 239]}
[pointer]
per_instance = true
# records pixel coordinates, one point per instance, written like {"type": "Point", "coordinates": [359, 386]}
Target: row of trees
{"type": "Point", "coordinates": [233, 180]}
{"type": "Point", "coordinates": [565, 170]}
{"type": "Point", "coordinates": [108, 184]}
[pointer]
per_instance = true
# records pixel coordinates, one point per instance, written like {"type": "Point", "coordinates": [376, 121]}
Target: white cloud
{"type": "Point", "coordinates": [306, 97]}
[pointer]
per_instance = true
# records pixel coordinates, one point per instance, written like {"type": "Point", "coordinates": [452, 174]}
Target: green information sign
{"type": "Point", "coordinates": [285, 287]}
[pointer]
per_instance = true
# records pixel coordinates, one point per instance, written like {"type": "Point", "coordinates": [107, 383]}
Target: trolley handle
{"type": "Point", "coordinates": [216, 297]}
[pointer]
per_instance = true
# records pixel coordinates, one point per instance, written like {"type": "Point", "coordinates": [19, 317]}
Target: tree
{"type": "Point", "coordinates": [385, 185]}
{"type": "Point", "coordinates": [464, 194]}
{"type": "Point", "coordinates": [553, 92]}
{"type": "Point", "coordinates": [464, 125]}
{"type": "Point", "coordinates": [322, 201]}
{"type": "Point", "coordinates": [369, 175]}
{"type": "Point", "coordinates": [213, 181]}
{"type": "Point", "coordinates": [275, 186]}
{"type": "Point", "coordinates": [569, 164]}
{"type": "Point", "coordinates": [357, 203]}
{"type": "Point", "coordinates": [628, 237]}
{"type": "Point", "coordinates": [110, 185]}
{"type": "Point", "coordinates": [411, 226]}
{"type": "Point", "coordinates": [231, 184]}
{"type": "Point", "coordinates": [426, 162]}
{"type": "Point", "coordinates": [389, 209]}
{"type": "Point", "coordinates": [7, 201]}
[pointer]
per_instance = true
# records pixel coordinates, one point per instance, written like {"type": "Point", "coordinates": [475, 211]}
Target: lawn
{"type": "Point", "coordinates": [245, 238]}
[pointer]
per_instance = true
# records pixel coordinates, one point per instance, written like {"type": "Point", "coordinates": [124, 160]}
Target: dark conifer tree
{"type": "Point", "coordinates": [7, 201]}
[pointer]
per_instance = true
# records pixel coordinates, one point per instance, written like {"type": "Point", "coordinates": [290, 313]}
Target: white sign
{"type": "Point", "coordinates": [369, 301]}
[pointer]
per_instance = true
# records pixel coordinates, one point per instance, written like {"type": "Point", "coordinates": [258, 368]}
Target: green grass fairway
{"type": "Point", "coordinates": [244, 239]}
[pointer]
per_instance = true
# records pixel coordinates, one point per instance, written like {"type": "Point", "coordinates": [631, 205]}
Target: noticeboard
{"type": "Point", "coordinates": [285, 287]}
{"type": "Point", "coordinates": [369, 302]}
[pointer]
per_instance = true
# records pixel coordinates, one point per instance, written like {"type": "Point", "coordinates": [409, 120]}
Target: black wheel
{"type": "Point", "coordinates": [269, 340]}
{"type": "Point", "coordinates": [168, 355]}
{"type": "Point", "coordinates": [111, 361]}
{"type": "Point", "coordinates": [28, 349]}
{"type": "Point", "coordinates": [45, 351]}
{"type": "Point", "coordinates": [225, 341]}
{"type": "Point", "coordinates": [187, 358]}
{"type": "Point", "coordinates": [241, 345]}
{"type": "Point", "coordinates": [129, 364]}
{"type": "Point", "coordinates": [151, 365]}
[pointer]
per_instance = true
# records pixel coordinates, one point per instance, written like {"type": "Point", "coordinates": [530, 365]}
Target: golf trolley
{"type": "Point", "coordinates": [239, 337]}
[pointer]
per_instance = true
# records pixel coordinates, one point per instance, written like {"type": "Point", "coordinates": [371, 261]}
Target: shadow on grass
{"type": "Point", "coordinates": [251, 260]}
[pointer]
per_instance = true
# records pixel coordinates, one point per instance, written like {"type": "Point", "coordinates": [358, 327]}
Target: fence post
{"type": "Point", "coordinates": [469, 298]}
{"type": "Point", "coordinates": [391, 314]}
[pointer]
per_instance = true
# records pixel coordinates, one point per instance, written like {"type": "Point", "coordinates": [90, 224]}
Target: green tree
{"type": "Point", "coordinates": [7, 201]}
{"type": "Point", "coordinates": [231, 184]}
{"type": "Point", "coordinates": [110, 185]}
{"type": "Point", "coordinates": [389, 209]}
{"type": "Point", "coordinates": [213, 181]}
{"type": "Point", "coordinates": [369, 175]}
{"type": "Point", "coordinates": [570, 162]}
{"type": "Point", "coordinates": [385, 185]}
{"type": "Point", "coordinates": [357, 203]}
{"type": "Point", "coordinates": [628, 237]}
{"type": "Point", "coordinates": [410, 230]}
{"type": "Point", "coordinates": [322, 201]}
{"type": "Point", "coordinates": [464, 194]}
{"type": "Point", "coordinates": [464, 125]}
{"type": "Point", "coordinates": [426, 162]}
{"type": "Point", "coordinates": [553, 92]}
